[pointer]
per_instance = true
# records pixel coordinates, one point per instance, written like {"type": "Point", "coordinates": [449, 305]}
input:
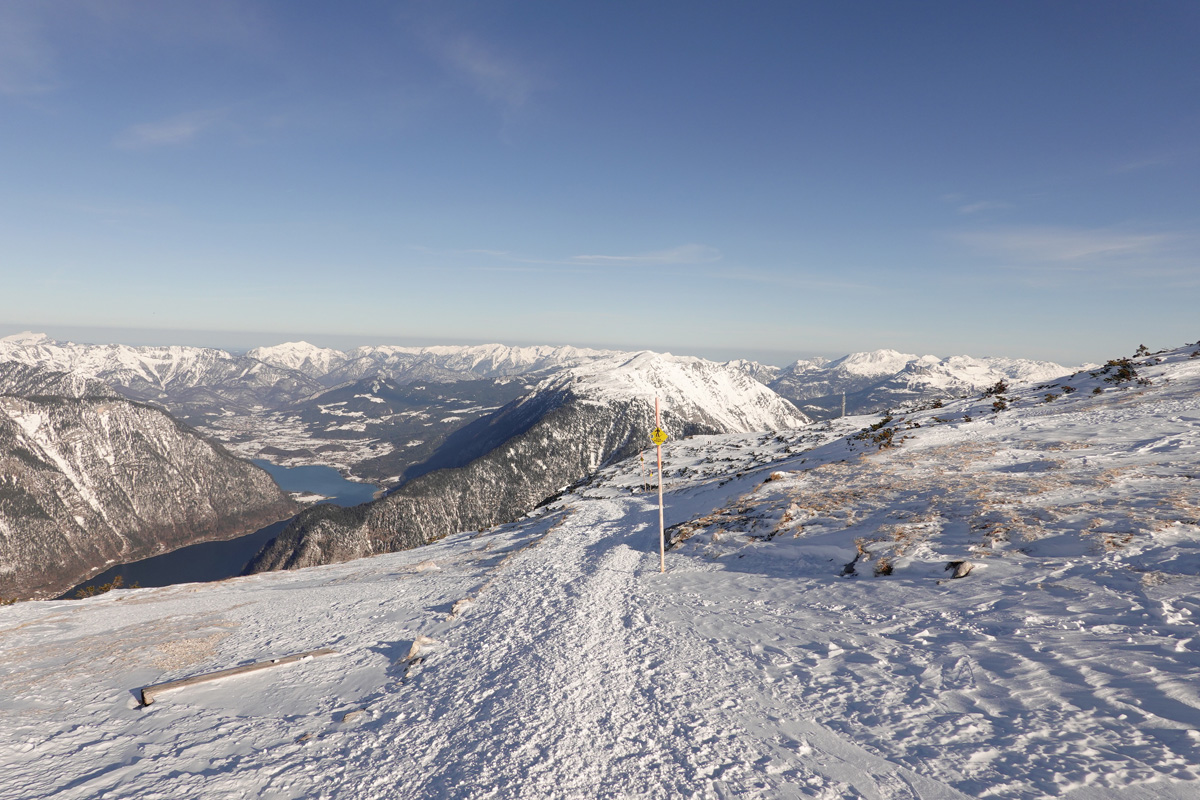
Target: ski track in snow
{"type": "Point", "coordinates": [552, 659]}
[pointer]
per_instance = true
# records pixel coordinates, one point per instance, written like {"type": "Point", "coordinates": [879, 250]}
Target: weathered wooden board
{"type": "Point", "coordinates": [150, 692]}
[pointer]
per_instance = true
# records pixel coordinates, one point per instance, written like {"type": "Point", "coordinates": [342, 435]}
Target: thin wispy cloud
{"type": "Point", "coordinates": [115, 210]}
{"type": "Point", "coordinates": [552, 269]}
{"type": "Point", "coordinates": [500, 78]}
{"type": "Point", "coordinates": [684, 254]}
{"type": "Point", "coordinates": [435, 251]}
{"type": "Point", "coordinates": [38, 39]}
{"type": "Point", "coordinates": [983, 205]}
{"type": "Point", "coordinates": [967, 206]}
{"type": "Point", "coordinates": [808, 281]}
{"type": "Point", "coordinates": [177, 130]}
{"type": "Point", "coordinates": [1065, 246]}
{"type": "Point", "coordinates": [1149, 162]}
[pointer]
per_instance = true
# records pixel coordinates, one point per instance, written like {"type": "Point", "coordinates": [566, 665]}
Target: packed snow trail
{"type": "Point", "coordinates": [564, 679]}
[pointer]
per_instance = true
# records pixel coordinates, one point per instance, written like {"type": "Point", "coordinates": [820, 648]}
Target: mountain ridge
{"type": "Point", "coordinates": [92, 478]}
{"type": "Point", "coordinates": [499, 467]}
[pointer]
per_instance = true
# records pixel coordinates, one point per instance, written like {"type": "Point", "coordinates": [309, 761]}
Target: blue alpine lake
{"type": "Point", "coordinates": [215, 561]}
{"type": "Point", "coordinates": [325, 481]}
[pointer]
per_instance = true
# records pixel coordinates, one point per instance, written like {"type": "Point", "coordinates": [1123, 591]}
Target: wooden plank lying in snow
{"type": "Point", "coordinates": [150, 692]}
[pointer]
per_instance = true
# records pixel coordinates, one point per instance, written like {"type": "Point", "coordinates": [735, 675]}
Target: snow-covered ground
{"type": "Point", "coordinates": [550, 658]}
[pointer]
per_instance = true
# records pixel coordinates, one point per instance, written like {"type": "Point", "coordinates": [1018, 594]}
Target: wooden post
{"type": "Point", "coordinates": [150, 692]}
{"type": "Point", "coordinates": [662, 538]}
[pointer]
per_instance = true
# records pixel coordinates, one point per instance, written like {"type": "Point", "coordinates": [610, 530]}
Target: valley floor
{"type": "Point", "coordinates": [550, 658]}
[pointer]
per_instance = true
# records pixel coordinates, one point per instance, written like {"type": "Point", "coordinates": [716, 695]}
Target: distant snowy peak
{"type": "Point", "coordinates": [24, 339]}
{"type": "Point", "coordinates": [805, 365]}
{"type": "Point", "coordinates": [875, 362]}
{"type": "Point", "coordinates": [763, 373]}
{"type": "Point", "coordinates": [964, 373]}
{"type": "Point", "coordinates": [722, 395]}
{"type": "Point", "coordinates": [1020, 370]}
{"type": "Point", "coordinates": [301, 356]}
{"type": "Point", "coordinates": [882, 379]}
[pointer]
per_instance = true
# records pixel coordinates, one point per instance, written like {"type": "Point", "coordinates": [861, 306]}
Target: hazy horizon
{"type": "Point", "coordinates": [243, 341]}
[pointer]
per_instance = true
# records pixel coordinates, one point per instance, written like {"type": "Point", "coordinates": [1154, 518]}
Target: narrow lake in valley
{"type": "Point", "coordinates": [214, 561]}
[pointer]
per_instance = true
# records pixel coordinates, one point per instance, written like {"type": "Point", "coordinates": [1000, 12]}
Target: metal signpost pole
{"type": "Point", "coordinates": [659, 438]}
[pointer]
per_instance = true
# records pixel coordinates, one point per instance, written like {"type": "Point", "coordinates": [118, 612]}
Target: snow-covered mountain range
{"type": "Point", "coordinates": [405, 364]}
{"type": "Point", "coordinates": [808, 638]}
{"type": "Point", "coordinates": [186, 380]}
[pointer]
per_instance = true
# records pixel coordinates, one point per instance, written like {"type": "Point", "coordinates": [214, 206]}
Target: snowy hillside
{"type": "Point", "coordinates": [549, 658]}
{"type": "Point", "coordinates": [882, 379]}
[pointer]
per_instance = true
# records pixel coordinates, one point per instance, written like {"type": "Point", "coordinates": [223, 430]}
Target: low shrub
{"type": "Point", "coordinates": [1000, 388]}
{"type": "Point", "coordinates": [91, 591]}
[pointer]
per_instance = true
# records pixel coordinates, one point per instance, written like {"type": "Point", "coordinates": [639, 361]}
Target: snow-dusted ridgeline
{"type": "Point", "coordinates": [448, 362]}
{"type": "Point", "coordinates": [29, 380]}
{"type": "Point", "coordinates": [186, 380]}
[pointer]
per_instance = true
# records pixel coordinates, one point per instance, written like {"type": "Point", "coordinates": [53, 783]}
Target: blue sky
{"type": "Point", "coordinates": [767, 179]}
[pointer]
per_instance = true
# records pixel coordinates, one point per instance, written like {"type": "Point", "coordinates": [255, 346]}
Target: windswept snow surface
{"type": "Point", "coordinates": [558, 662]}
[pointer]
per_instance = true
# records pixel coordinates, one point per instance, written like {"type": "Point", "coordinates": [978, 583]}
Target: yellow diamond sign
{"type": "Point", "coordinates": [658, 436]}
